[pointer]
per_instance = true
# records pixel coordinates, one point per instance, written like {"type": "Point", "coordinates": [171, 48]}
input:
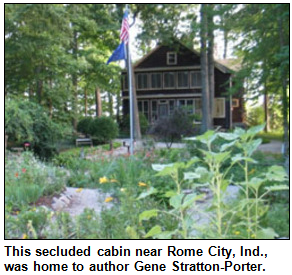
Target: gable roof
{"type": "Point", "coordinates": [225, 66]}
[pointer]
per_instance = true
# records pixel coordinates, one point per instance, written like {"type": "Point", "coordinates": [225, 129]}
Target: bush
{"type": "Point", "coordinates": [125, 125]}
{"type": "Point", "coordinates": [103, 129]}
{"type": "Point", "coordinates": [84, 125]}
{"type": "Point", "coordinates": [172, 128]}
{"type": "Point", "coordinates": [26, 121]}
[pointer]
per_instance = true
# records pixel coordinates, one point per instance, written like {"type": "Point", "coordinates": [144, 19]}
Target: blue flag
{"type": "Point", "coordinates": [118, 54]}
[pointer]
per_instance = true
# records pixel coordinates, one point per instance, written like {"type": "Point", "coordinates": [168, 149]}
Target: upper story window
{"type": "Point", "coordinates": [182, 79]}
{"type": "Point", "coordinates": [169, 80]}
{"type": "Point", "coordinates": [142, 80]}
{"type": "Point", "coordinates": [156, 81]}
{"type": "Point", "coordinates": [171, 58]}
{"type": "Point", "coordinates": [196, 79]}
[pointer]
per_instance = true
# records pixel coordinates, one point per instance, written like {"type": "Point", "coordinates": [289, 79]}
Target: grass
{"type": "Point", "coordinates": [267, 137]}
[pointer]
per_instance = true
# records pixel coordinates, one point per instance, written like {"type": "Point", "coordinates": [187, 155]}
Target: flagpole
{"type": "Point", "coordinates": [130, 96]}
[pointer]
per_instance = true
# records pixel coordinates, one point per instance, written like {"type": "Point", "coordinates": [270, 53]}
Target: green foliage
{"type": "Point", "coordinates": [84, 125]}
{"type": "Point", "coordinates": [28, 122]}
{"type": "Point", "coordinates": [255, 116]}
{"type": "Point", "coordinates": [125, 125]}
{"type": "Point", "coordinates": [27, 179]}
{"type": "Point", "coordinates": [103, 129]}
{"type": "Point", "coordinates": [208, 172]}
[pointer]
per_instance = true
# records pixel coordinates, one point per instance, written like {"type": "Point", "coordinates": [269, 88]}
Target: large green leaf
{"type": "Point", "coordinates": [154, 231]}
{"type": "Point", "coordinates": [228, 136]}
{"type": "Point", "coordinates": [255, 130]}
{"type": "Point", "coordinates": [176, 201]}
{"type": "Point", "coordinates": [277, 188]}
{"type": "Point", "coordinates": [146, 215]}
{"type": "Point", "coordinates": [149, 192]}
{"type": "Point", "coordinates": [190, 199]}
{"type": "Point", "coordinates": [266, 233]}
{"type": "Point", "coordinates": [276, 173]}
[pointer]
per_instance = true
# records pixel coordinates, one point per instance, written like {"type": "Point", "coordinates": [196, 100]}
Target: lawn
{"type": "Point", "coordinates": [155, 193]}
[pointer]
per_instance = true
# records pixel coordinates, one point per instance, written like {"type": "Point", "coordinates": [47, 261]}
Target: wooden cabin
{"type": "Point", "coordinates": [169, 77]}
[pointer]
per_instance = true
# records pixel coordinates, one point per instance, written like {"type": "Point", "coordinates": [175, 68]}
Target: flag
{"type": "Point", "coordinates": [124, 36]}
{"type": "Point", "coordinates": [118, 54]}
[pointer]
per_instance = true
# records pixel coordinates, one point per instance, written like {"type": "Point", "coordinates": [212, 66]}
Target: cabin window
{"type": "Point", "coordinates": [196, 79]}
{"type": "Point", "coordinates": [125, 82]}
{"type": "Point", "coordinates": [182, 79]}
{"type": "Point", "coordinates": [142, 81]}
{"type": "Point", "coordinates": [219, 107]}
{"type": "Point", "coordinates": [171, 58]}
{"type": "Point", "coordinates": [143, 107]}
{"type": "Point", "coordinates": [156, 80]}
{"type": "Point", "coordinates": [186, 105]}
{"type": "Point", "coordinates": [235, 102]}
{"type": "Point", "coordinates": [169, 80]}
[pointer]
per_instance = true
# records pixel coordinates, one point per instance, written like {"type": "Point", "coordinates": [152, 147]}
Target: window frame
{"type": "Point", "coordinates": [195, 72]}
{"type": "Point", "coordinates": [150, 80]}
{"type": "Point", "coordinates": [147, 81]}
{"type": "Point", "coordinates": [174, 78]}
{"type": "Point", "coordinates": [216, 100]}
{"type": "Point", "coordinates": [168, 55]}
{"type": "Point", "coordinates": [188, 80]}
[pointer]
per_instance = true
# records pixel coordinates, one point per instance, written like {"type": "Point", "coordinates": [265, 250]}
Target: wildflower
{"type": "Point", "coordinates": [89, 217]}
{"type": "Point", "coordinates": [108, 199]}
{"type": "Point", "coordinates": [24, 236]}
{"type": "Point", "coordinates": [237, 232]}
{"type": "Point", "coordinates": [113, 180]}
{"type": "Point", "coordinates": [253, 236]}
{"type": "Point", "coordinates": [26, 144]}
{"type": "Point", "coordinates": [148, 155]}
{"type": "Point", "coordinates": [142, 184]}
{"type": "Point", "coordinates": [123, 189]}
{"type": "Point", "coordinates": [16, 175]}
{"type": "Point", "coordinates": [251, 171]}
{"type": "Point", "coordinates": [23, 170]}
{"type": "Point", "coordinates": [79, 190]}
{"type": "Point", "coordinates": [103, 180]}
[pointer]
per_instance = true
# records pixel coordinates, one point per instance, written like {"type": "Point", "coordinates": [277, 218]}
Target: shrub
{"type": "Point", "coordinates": [173, 127]}
{"type": "Point", "coordinates": [84, 125]}
{"type": "Point", "coordinates": [103, 129]}
{"type": "Point", "coordinates": [26, 121]}
{"type": "Point", "coordinates": [125, 125]}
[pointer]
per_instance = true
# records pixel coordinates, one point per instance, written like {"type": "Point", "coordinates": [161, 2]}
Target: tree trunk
{"type": "Point", "coordinates": [211, 66]}
{"type": "Point", "coordinates": [266, 108]}
{"type": "Point", "coordinates": [205, 72]}
{"type": "Point", "coordinates": [284, 77]}
{"type": "Point", "coordinates": [85, 102]}
{"type": "Point", "coordinates": [110, 104]}
{"type": "Point", "coordinates": [75, 82]}
{"type": "Point", "coordinates": [98, 106]}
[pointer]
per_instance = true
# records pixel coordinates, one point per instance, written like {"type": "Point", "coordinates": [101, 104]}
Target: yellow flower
{"type": "Point", "coordinates": [89, 217]}
{"type": "Point", "coordinates": [113, 180]}
{"type": "Point", "coordinates": [24, 236]}
{"type": "Point", "coordinates": [108, 199]}
{"type": "Point", "coordinates": [79, 190]}
{"type": "Point", "coordinates": [237, 232]}
{"type": "Point", "coordinates": [251, 171]}
{"type": "Point", "coordinates": [103, 180]}
{"type": "Point", "coordinates": [142, 184]}
{"type": "Point", "coordinates": [253, 235]}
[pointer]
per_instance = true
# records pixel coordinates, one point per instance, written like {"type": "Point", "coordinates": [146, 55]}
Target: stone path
{"type": "Point", "coordinates": [75, 200]}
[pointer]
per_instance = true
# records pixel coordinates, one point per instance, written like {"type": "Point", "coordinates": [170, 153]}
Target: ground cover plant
{"type": "Point", "coordinates": [155, 194]}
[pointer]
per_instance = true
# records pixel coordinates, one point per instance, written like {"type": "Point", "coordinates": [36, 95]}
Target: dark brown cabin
{"type": "Point", "coordinates": [169, 77]}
